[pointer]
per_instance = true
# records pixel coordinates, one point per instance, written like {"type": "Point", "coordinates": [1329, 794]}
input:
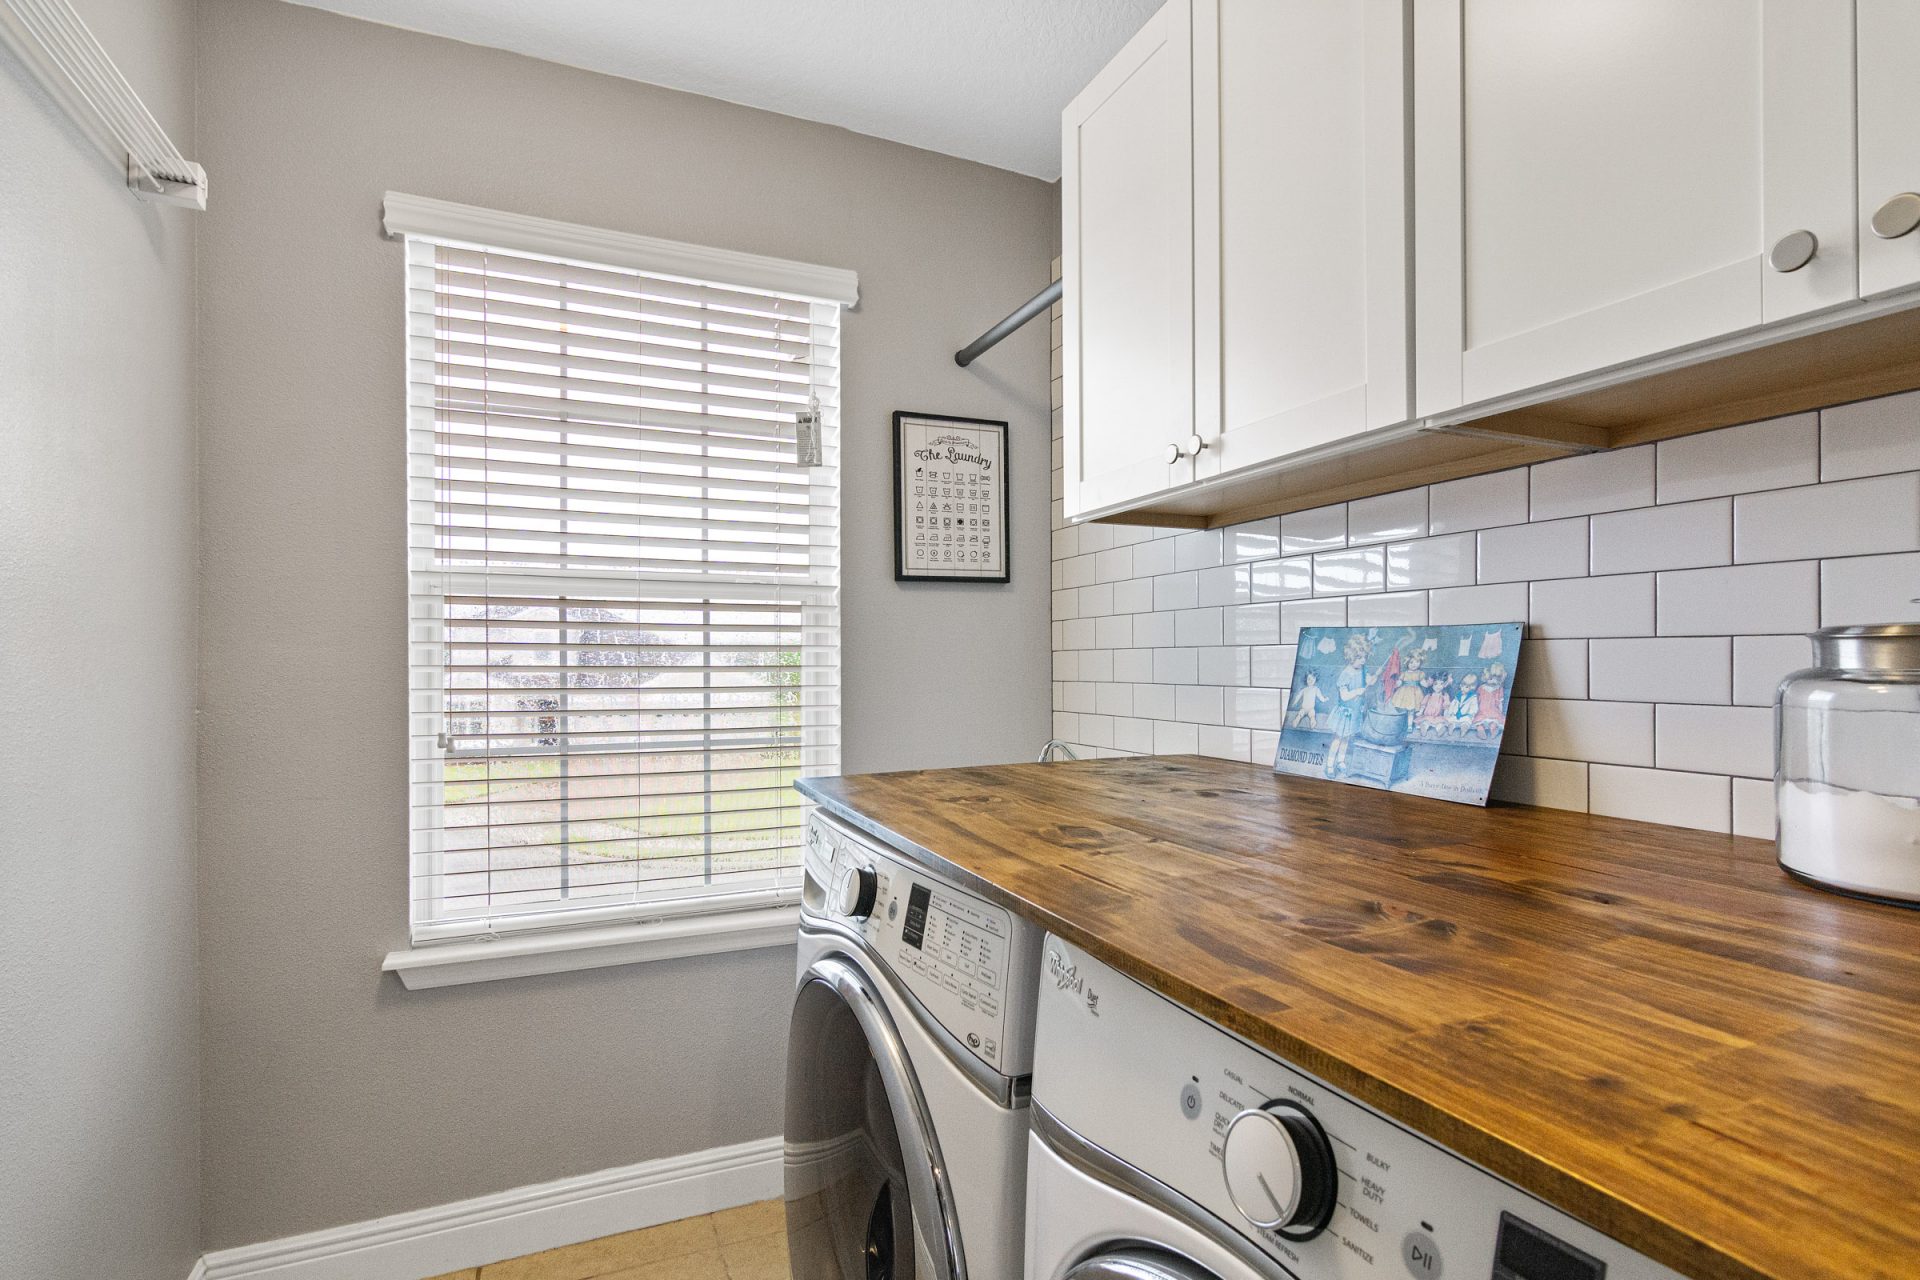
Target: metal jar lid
{"type": "Point", "coordinates": [1894, 647]}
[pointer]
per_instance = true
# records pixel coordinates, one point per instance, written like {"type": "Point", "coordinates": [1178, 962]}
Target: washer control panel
{"type": "Point", "coordinates": [972, 965]}
{"type": "Point", "coordinates": [1325, 1185]}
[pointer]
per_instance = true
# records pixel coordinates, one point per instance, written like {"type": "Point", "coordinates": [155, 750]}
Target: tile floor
{"type": "Point", "coordinates": [748, 1243]}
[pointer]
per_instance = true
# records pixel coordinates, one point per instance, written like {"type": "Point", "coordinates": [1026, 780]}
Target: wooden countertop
{"type": "Point", "coordinates": [1653, 1029]}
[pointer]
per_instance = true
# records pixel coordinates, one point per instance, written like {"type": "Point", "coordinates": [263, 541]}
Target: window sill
{"type": "Point", "coordinates": [562, 950]}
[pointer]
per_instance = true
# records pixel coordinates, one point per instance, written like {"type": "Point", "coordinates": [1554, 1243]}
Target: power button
{"type": "Point", "coordinates": [1190, 1102]}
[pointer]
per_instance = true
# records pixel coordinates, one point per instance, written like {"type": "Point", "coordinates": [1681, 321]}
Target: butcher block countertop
{"type": "Point", "coordinates": [1653, 1029]}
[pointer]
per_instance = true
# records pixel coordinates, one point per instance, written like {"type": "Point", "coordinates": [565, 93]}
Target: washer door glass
{"type": "Point", "coordinates": [862, 1164]}
{"type": "Point", "coordinates": [1139, 1264]}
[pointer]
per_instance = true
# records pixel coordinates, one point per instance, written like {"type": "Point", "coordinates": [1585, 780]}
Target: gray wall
{"type": "Point", "coordinates": [331, 1094]}
{"type": "Point", "coordinates": [98, 1019]}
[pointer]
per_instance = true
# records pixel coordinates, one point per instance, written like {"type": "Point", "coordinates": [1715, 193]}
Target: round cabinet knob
{"type": "Point", "coordinates": [1279, 1169]}
{"type": "Point", "coordinates": [854, 895]}
{"type": "Point", "coordinates": [1898, 216]}
{"type": "Point", "coordinates": [1195, 444]}
{"type": "Point", "coordinates": [1174, 454]}
{"type": "Point", "coordinates": [1793, 251]}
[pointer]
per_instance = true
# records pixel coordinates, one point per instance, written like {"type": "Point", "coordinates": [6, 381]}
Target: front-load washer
{"type": "Point", "coordinates": [1165, 1148]}
{"type": "Point", "coordinates": [908, 1060]}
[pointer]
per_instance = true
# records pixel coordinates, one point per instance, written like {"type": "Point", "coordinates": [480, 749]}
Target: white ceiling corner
{"type": "Point", "coordinates": [980, 79]}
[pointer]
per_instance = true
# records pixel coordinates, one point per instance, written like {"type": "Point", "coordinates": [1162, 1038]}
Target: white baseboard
{"type": "Point", "coordinates": [469, 1233]}
{"type": "Point", "coordinates": [199, 1271]}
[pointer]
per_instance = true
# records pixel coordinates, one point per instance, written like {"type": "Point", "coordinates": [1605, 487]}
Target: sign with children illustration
{"type": "Point", "coordinates": [1413, 709]}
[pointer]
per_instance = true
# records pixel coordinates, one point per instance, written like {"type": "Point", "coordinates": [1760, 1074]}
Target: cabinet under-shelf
{"type": "Point", "coordinates": [1721, 386]}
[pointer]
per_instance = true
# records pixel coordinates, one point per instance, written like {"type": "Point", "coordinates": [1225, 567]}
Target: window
{"type": "Point", "coordinates": [624, 581]}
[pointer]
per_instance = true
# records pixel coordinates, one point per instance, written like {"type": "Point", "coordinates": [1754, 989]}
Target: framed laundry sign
{"type": "Point", "coordinates": [949, 499]}
{"type": "Point", "coordinates": [1414, 709]}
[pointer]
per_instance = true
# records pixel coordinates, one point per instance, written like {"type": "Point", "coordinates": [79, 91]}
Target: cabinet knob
{"type": "Point", "coordinates": [1793, 251]}
{"type": "Point", "coordinates": [1898, 216]}
{"type": "Point", "coordinates": [1195, 444]}
{"type": "Point", "coordinates": [1174, 454]}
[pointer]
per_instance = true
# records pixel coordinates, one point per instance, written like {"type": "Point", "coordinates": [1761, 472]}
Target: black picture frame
{"type": "Point", "coordinates": [903, 570]}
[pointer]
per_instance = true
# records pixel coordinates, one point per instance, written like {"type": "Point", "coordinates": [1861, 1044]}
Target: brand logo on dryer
{"type": "Point", "coordinates": [1066, 977]}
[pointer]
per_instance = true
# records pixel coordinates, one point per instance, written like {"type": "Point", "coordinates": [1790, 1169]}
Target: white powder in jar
{"type": "Point", "coordinates": [1856, 840]}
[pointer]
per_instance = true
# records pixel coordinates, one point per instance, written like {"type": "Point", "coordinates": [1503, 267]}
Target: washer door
{"type": "Point", "coordinates": [863, 1166]}
{"type": "Point", "coordinates": [1139, 1263]}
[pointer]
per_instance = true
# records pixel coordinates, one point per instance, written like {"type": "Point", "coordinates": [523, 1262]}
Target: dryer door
{"type": "Point", "coordinates": [868, 1195]}
{"type": "Point", "coordinates": [1136, 1263]}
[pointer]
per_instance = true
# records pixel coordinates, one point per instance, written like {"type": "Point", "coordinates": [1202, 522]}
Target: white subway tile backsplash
{"type": "Point", "coordinates": [1177, 591]}
{"type": "Point", "coordinates": [1390, 517]}
{"type": "Point", "coordinates": [1345, 572]}
{"type": "Point", "coordinates": [1593, 482]}
{"type": "Point", "coordinates": [1135, 666]}
{"type": "Point", "coordinates": [1197, 549]}
{"type": "Point", "coordinates": [1200, 704]}
{"type": "Point", "coordinates": [1643, 690]}
{"type": "Point", "coordinates": [1273, 665]}
{"type": "Point", "coordinates": [1525, 552]}
{"type": "Point", "coordinates": [1254, 540]}
{"type": "Point", "coordinates": [1478, 502]}
{"type": "Point", "coordinates": [1175, 739]}
{"type": "Point", "coordinates": [1551, 669]}
{"type": "Point", "coordinates": [1846, 518]}
{"type": "Point", "coordinates": [1254, 708]}
{"type": "Point", "coordinates": [1863, 590]}
{"type": "Point", "coordinates": [1773, 454]}
{"type": "Point", "coordinates": [1227, 664]}
{"type": "Point", "coordinates": [1549, 784]}
{"type": "Point", "coordinates": [1253, 624]}
{"type": "Point", "coordinates": [1295, 614]}
{"type": "Point", "coordinates": [1613, 606]}
{"type": "Point", "coordinates": [1432, 562]}
{"type": "Point", "coordinates": [1152, 630]}
{"type": "Point", "coordinates": [1664, 669]}
{"type": "Point", "coordinates": [1396, 609]}
{"type": "Point", "coordinates": [1198, 626]}
{"type": "Point", "coordinates": [1870, 437]}
{"type": "Point", "coordinates": [1756, 599]}
{"type": "Point", "coordinates": [1753, 808]}
{"type": "Point", "coordinates": [1598, 732]}
{"type": "Point", "coordinates": [1321, 529]}
{"type": "Point", "coordinates": [1700, 800]}
{"type": "Point", "coordinates": [1760, 663]}
{"type": "Point", "coordinates": [1176, 666]}
{"type": "Point", "coordinates": [1281, 579]}
{"type": "Point", "coordinates": [1732, 740]}
{"type": "Point", "coordinates": [1460, 606]}
{"type": "Point", "coordinates": [1683, 535]}
{"type": "Point", "coordinates": [1226, 584]}
{"type": "Point", "coordinates": [1154, 701]}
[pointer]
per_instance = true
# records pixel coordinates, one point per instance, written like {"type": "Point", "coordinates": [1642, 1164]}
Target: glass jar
{"type": "Point", "coordinates": [1847, 770]}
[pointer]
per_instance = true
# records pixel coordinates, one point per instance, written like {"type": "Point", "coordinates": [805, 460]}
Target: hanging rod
{"type": "Point", "coordinates": [51, 41]}
{"type": "Point", "coordinates": [1021, 314]}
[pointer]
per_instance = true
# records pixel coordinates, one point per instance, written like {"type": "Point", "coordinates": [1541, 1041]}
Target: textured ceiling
{"type": "Point", "coordinates": [980, 79]}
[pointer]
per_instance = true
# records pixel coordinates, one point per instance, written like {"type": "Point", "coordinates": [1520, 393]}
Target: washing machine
{"type": "Point", "coordinates": [1165, 1148]}
{"type": "Point", "coordinates": [909, 1057]}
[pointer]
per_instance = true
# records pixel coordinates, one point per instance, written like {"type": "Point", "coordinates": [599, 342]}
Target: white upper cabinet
{"type": "Point", "coordinates": [1889, 126]}
{"type": "Point", "coordinates": [1127, 268]}
{"type": "Point", "coordinates": [1601, 181]}
{"type": "Point", "coordinates": [1300, 225]}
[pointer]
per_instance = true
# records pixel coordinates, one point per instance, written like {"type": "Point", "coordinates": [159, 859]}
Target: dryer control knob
{"type": "Point", "coordinates": [1279, 1169]}
{"type": "Point", "coordinates": [855, 895]}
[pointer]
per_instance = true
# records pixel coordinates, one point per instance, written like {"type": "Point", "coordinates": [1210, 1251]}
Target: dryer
{"type": "Point", "coordinates": [1165, 1148]}
{"type": "Point", "coordinates": [909, 1056]}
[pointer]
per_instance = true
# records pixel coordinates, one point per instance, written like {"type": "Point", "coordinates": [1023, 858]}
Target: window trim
{"type": "Point", "coordinates": [629, 932]}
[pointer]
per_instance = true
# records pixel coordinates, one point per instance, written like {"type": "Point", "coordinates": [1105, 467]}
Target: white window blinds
{"type": "Point", "coordinates": [624, 588]}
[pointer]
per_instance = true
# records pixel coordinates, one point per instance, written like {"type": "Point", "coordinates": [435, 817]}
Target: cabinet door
{"type": "Point", "coordinates": [1127, 267]}
{"type": "Point", "coordinates": [1600, 182]}
{"type": "Point", "coordinates": [1889, 143]}
{"type": "Point", "coordinates": [1300, 225]}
